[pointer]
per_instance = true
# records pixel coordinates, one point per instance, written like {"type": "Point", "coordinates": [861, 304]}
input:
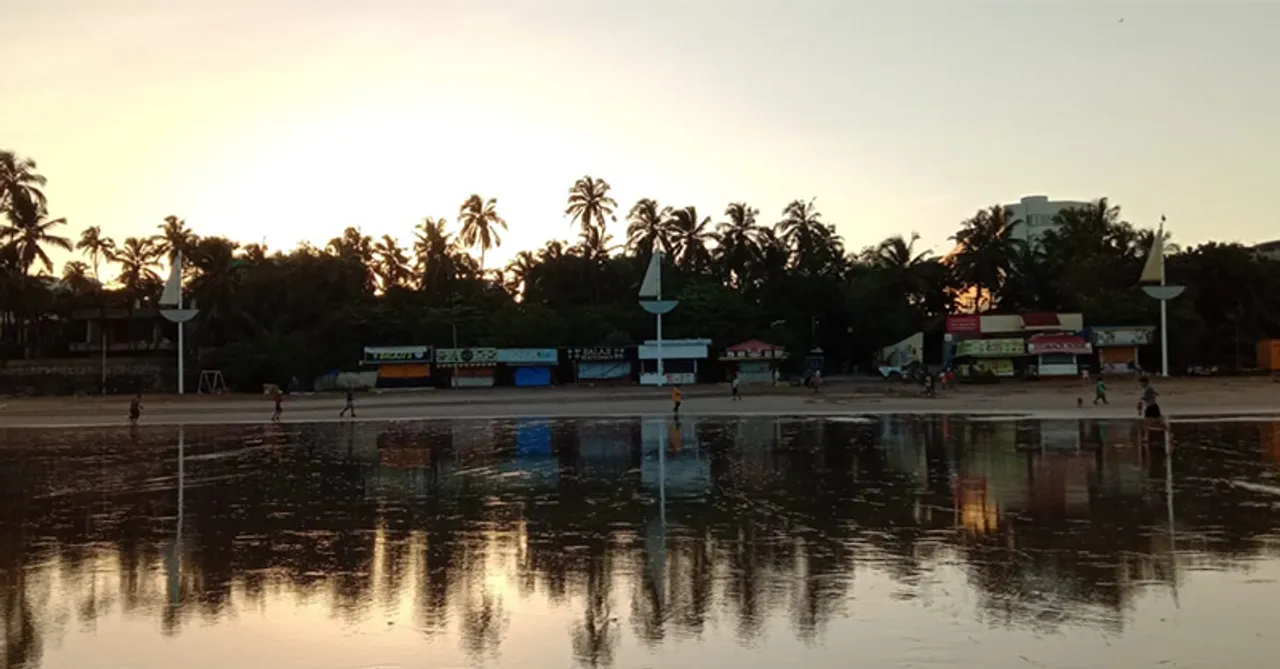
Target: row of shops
{"type": "Point", "coordinates": [684, 361]}
{"type": "Point", "coordinates": [1008, 345]}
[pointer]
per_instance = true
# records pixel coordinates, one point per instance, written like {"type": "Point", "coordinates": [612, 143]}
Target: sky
{"type": "Point", "coordinates": [289, 120]}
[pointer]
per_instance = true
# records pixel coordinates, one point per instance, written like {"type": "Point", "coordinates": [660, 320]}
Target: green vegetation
{"type": "Point", "coordinates": [268, 316]}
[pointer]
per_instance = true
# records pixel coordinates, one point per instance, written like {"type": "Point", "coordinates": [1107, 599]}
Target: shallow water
{"type": "Point", "coordinates": [755, 542]}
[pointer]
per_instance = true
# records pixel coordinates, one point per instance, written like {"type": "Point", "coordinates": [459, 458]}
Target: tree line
{"type": "Point", "coordinates": [268, 315]}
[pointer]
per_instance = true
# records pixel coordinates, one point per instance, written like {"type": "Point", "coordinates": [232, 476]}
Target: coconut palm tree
{"type": "Point", "coordinates": [434, 253]}
{"type": "Point", "coordinates": [19, 181]}
{"type": "Point", "coordinates": [174, 237]}
{"type": "Point", "coordinates": [75, 278]}
{"type": "Point", "coordinates": [138, 257]}
{"type": "Point", "coordinates": [391, 263]}
{"type": "Point", "coordinates": [803, 231]}
{"type": "Point", "coordinates": [689, 236]}
{"type": "Point", "coordinates": [97, 247]}
{"type": "Point", "coordinates": [647, 228]}
{"type": "Point", "coordinates": [738, 241]}
{"type": "Point", "coordinates": [29, 231]}
{"type": "Point", "coordinates": [985, 254]}
{"type": "Point", "coordinates": [899, 253]}
{"type": "Point", "coordinates": [590, 206]}
{"type": "Point", "coordinates": [480, 223]}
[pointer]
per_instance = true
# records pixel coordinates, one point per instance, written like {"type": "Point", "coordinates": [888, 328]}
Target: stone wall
{"type": "Point", "coordinates": [83, 376]}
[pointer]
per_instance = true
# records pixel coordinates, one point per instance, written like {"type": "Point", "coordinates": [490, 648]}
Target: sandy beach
{"type": "Point", "coordinates": [1181, 399]}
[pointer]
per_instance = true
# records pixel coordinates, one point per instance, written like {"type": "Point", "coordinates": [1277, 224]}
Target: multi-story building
{"type": "Point", "coordinates": [1033, 216]}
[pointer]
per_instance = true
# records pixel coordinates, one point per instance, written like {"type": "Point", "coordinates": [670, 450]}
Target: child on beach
{"type": "Point", "coordinates": [135, 409]}
{"type": "Point", "coordinates": [737, 380]}
{"type": "Point", "coordinates": [350, 405]}
{"type": "Point", "coordinates": [1100, 392]}
{"type": "Point", "coordinates": [1148, 406]}
{"type": "Point", "coordinates": [675, 400]}
{"type": "Point", "coordinates": [279, 400]}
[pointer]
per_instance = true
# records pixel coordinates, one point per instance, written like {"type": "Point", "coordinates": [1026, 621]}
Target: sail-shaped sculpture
{"type": "Point", "coordinates": [1154, 285]}
{"type": "Point", "coordinates": [171, 309]}
{"type": "Point", "coordinates": [652, 302]}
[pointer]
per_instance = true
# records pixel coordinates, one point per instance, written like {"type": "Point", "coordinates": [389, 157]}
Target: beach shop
{"type": "Point", "coordinates": [1118, 347]}
{"type": "Point", "coordinates": [468, 367]}
{"type": "Point", "coordinates": [1058, 354]}
{"type": "Point", "coordinates": [753, 361]}
{"type": "Point", "coordinates": [600, 364]}
{"type": "Point", "coordinates": [399, 366]}
{"type": "Point", "coordinates": [679, 361]}
{"type": "Point", "coordinates": [976, 357]}
{"type": "Point", "coordinates": [527, 367]}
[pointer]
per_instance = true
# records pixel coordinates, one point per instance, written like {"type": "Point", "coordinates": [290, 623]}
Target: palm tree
{"type": "Point", "coordinates": [812, 242]}
{"type": "Point", "coordinates": [480, 222]}
{"type": "Point", "coordinates": [689, 236]}
{"type": "Point", "coordinates": [590, 206]}
{"type": "Point", "coordinates": [138, 258]}
{"type": "Point", "coordinates": [520, 272]}
{"type": "Point", "coordinates": [647, 228]}
{"type": "Point", "coordinates": [899, 254]}
{"type": "Point", "coordinates": [29, 231]}
{"type": "Point", "coordinates": [174, 237]}
{"type": "Point", "coordinates": [434, 259]}
{"type": "Point", "coordinates": [75, 276]}
{"type": "Point", "coordinates": [96, 247]}
{"type": "Point", "coordinates": [738, 240]}
{"type": "Point", "coordinates": [19, 181]}
{"type": "Point", "coordinates": [985, 254]}
{"type": "Point", "coordinates": [391, 263]}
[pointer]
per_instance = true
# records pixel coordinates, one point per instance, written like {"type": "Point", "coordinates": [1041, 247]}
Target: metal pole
{"type": "Point", "coordinates": [180, 328]}
{"type": "Point", "coordinates": [1164, 313]}
{"type": "Point", "coordinates": [455, 334]}
{"type": "Point", "coordinates": [102, 325]}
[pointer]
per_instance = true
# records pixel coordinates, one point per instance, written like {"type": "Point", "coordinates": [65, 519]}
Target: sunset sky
{"type": "Point", "coordinates": [287, 120]}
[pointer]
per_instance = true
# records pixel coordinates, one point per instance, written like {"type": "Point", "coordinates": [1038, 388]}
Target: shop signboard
{"type": "Point", "coordinates": [1049, 345]}
{"type": "Point", "coordinates": [467, 356]}
{"type": "Point", "coordinates": [396, 355]}
{"type": "Point", "coordinates": [546, 357]}
{"type": "Point", "coordinates": [597, 353]}
{"type": "Point", "coordinates": [964, 324]}
{"type": "Point", "coordinates": [1122, 336]}
{"type": "Point", "coordinates": [991, 348]}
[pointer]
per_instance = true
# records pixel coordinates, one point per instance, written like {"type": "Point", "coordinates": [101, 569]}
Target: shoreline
{"type": "Point", "coordinates": [1183, 400]}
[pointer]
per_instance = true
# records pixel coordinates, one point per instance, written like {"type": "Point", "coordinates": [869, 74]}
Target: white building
{"type": "Point", "coordinates": [1033, 216]}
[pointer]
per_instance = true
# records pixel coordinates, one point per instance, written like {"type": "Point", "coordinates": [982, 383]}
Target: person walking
{"type": "Point", "coordinates": [279, 400]}
{"type": "Point", "coordinates": [1100, 392]}
{"type": "Point", "coordinates": [135, 409]}
{"type": "Point", "coordinates": [734, 386]}
{"type": "Point", "coordinates": [1149, 405]}
{"type": "Point", "coordinates": [350, 405]}
{"type": "Point", "coordinates": [675, 400]}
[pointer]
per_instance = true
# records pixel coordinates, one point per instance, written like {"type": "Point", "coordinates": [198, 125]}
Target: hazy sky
{"type": "Point", "coordinates": [286, 120]}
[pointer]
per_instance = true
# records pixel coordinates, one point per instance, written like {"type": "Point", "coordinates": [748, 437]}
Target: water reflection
{"type": "Point", "coordinates": [619, 542]}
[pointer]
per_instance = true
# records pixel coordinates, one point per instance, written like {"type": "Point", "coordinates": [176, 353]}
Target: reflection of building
{"type": "Point", "coordinates": [682, 467]}
{"type": "Point", "coordinates": [1269, 441]}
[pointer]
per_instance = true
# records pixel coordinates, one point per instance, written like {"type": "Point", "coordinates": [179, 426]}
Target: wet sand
{"type": "Point", "coordinates": [1186, 398]}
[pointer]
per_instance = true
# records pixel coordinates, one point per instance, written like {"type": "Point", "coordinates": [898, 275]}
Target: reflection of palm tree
{"type": "Point", "coordinates": [480, 224]}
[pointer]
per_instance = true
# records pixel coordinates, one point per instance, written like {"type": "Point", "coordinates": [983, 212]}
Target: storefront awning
{"type": "Point", "coordinates": [1069, 344]}
{"type": "Point", "coordinates": [1041, 321]}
